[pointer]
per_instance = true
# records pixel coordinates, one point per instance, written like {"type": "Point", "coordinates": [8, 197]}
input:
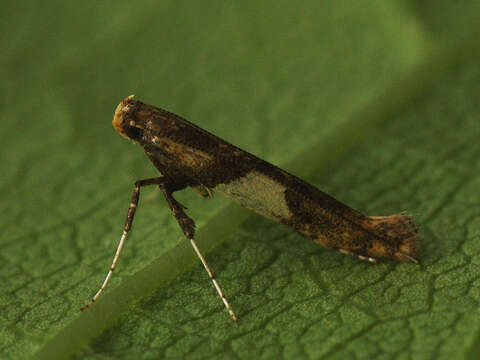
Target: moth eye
{"type": "Point", "coordinates": [133, 132]}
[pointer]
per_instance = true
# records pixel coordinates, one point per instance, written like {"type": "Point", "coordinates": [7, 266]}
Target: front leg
{"type": "Point", "coordinates": [186, 223]}
{"type": "Point", "coordinates": [160, 181]}
{"type": "Point", "coordinates": [188, 227]}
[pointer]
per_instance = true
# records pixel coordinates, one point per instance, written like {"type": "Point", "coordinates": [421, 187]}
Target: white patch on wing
{"type": "Point", "coordinates": [259, 193]}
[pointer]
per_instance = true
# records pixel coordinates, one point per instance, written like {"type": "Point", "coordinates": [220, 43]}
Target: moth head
{"type": "Point", "coordinates": [124, 123]}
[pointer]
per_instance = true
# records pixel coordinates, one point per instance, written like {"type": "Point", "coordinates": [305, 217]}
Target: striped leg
{"type": "Point", "coordinates": [215, 283]}
{"type": "Point", "coordinates": [128, 224]}
{"type": "Point", "coordinates": [188, 227]}
{"type": "Point", "coordinates": [186, 224]}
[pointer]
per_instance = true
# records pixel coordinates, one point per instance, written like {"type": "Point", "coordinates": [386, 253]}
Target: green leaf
{"type": "Point", "coordinates": [354, 96]}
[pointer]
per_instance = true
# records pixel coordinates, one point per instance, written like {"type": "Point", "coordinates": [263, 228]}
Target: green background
{"type": "Point", "coordinates": [376, 103]}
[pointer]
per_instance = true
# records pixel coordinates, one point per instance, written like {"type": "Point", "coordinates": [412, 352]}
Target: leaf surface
{"type": "Point", "coordinates": [366, 100]}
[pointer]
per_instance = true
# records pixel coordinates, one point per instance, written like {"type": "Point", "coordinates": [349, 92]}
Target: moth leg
{"type": "Point", "coordinates": [186, 223]}
{"type": "Point", "coordinates": [361, 257]}
{"type": "Point", "coordinates": [188, 227]}
{"type": "Point", "coordinates": [203, 191]}
{"type": "Point", "coordinates": [128, 224]}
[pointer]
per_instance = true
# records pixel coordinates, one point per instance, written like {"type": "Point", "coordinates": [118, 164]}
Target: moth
{"type": "Point", "coordinates": [188, 156]}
